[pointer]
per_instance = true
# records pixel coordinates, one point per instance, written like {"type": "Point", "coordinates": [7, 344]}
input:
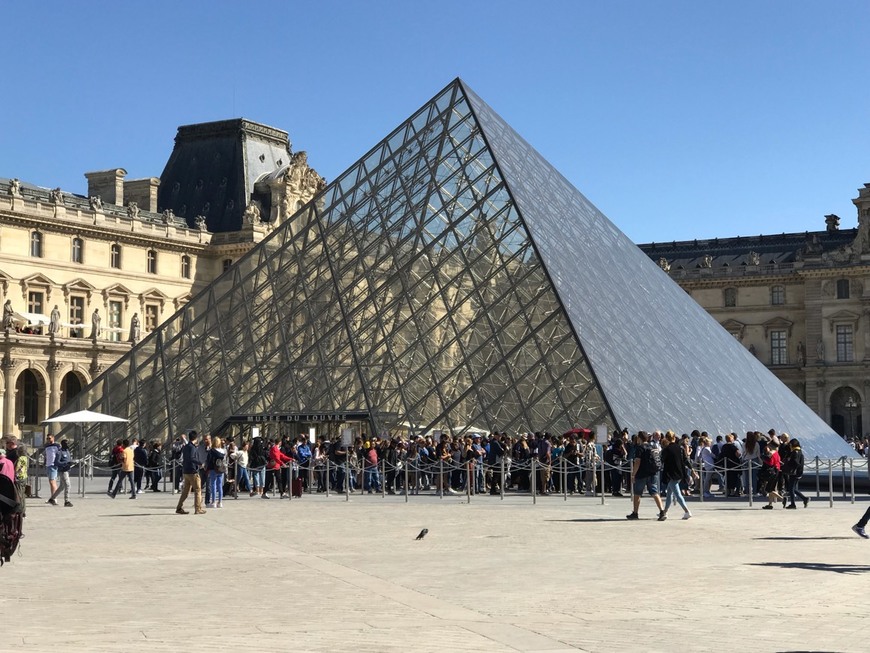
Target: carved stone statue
{"type": "Point", "coordinates": [14, 188]}
{"type": "Point", "coordinates": [707, 261]}
{"type": "Point", "coordinates": [167, 217]}
{"type": "Point", "coordinates": [664, 264]}
{"type": "Point", "coordinates": [752, 351]}
{"type": "Point", "coordinates": [56, 196]}
{"type": "Point", "coordinates": [8, 314]}
{"type": "Point", "coordinates": [135, 332]}
{"type": "Point", "coordinates": [820, 350]}
{"type": "Point", "coordinates": [199, 221]}
{"type": "Point", "coordinates": [252, 213]}
{"type": "Point", "coordinates": [95, 324]}
{"type": "Point", "coordinates": [832, 222]}
{"type": "Point", "coordinates": [96, 203]}
{"type": "Point", "coordinates": [54, 321]}
{"type": "Point", "coordinates": [862, 240]}
{"type": "Point", "coordinates": [754, 258]}
{"type": "Point", "coordinates": [801, 354]}
{"type": "Point", "coordinates": [133, 210]}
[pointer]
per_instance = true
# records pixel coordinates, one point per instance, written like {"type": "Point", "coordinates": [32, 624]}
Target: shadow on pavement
{"type": "Point", "coordinates": [789, 538]}
{"type": "Point", "coordinates": [816, 566]}
{"type": "Point", "coordinates": [592, 520]}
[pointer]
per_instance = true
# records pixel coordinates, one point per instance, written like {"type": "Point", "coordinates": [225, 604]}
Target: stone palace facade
{"type": "Point", "coordinates": [83, 277]}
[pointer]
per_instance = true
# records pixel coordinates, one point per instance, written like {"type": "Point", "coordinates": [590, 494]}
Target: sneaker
{"type": "Point", "coordinates": [264, 496]}
{"type": "Point", "coordinates": [220, 504]}
{"type": "Point", "coordinates": [209, 505]}
{"type": "Point", "coordinates": [769, 506]}
{"type": "Point", "coordinates": [663, 516]}
{"type": "Point", "coordinates": [199, 512]}
{"type": "Point", "coordinates": [632, 516]}
{"type": "Point", "coordinates": [51, 502]}
{"type": "Point", "coordinates": [859, 531]}
{"type": "Point", "coordinates": [791, 506]}
{"type": "Point", "coordinates": [181, 511]}
{"type": "Point", "coordinates": [67, 504]}
{"type": "Point", "coordinates": [687, 515]}
{"type": "Point", "coordinates": [806, 501]}
{"type": "Point", "coordinates": [132, 496]}
{"type": "Point", "coordinates": [709, 495]}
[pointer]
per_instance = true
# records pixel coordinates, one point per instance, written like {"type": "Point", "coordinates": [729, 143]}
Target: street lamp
{"type": "Point", "coordinates": [851, 405]}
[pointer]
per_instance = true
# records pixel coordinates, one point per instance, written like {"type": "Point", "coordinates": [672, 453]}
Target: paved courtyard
{"type": "Point", "coordinates": [322, 574]}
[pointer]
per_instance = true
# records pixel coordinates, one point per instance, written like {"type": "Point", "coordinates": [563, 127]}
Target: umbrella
{"type": "Point", "coordinates": [578, 431]}
{"type": "Point", "coordinates": [83, 417]}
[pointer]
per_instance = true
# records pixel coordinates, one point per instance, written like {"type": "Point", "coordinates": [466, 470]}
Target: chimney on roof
{"type": "Point", "coordinates": [833, 223]}
{"type": "Point", "coordinates": [108, 185]}
{"type": "Point", "coordinates": [143, 192]}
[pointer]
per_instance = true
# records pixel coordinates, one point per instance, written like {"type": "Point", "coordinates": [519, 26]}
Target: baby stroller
{"type": "Point", "coordinates": [11, 519]}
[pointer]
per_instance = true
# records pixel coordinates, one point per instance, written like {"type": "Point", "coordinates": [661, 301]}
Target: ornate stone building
{"type": "Point", "coordinates": [84, 277]}
{"type": "Point", "coordinates": [800, 302]}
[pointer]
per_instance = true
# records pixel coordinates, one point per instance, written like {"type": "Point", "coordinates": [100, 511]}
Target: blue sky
{"type": "Point", "coordinates": [679, 120]}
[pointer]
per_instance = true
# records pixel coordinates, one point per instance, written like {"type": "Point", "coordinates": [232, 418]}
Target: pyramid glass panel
{"type": "Point", "coordinates": [450, 277]}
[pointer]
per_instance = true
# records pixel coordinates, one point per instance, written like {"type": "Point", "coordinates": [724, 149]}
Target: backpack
{"type": "Point", "coordinates": [11, 519]}
{"type": "Point", "coordinates": [63, 462]}
{"type": "Point", "coordinates": [220, 464]}
{"type": "Point", "coordinates": [650, 461]}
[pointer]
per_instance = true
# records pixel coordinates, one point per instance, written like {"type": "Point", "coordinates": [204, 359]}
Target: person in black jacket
{"type": "Point", "coordinates": [674, 465]}
{"type": "Point", "coordinates": [793, 469]}
{"type": "Point", "coordinates": [730, 458]}
{"type": "Point", "coordinates": [155, 464]}
{"type": "Point", "coordinates": [140, 459]}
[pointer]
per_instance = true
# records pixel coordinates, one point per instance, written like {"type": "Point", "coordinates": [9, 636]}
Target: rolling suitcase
{"type": "Point", "coordinates": [297, 487]}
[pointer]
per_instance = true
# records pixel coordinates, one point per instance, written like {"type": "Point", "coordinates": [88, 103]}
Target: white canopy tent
{"type": "Point", "coordinates": [83, 417]}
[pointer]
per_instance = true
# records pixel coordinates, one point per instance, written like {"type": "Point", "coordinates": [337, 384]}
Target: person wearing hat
{"type": "Point", "coordinates": [192, 460]}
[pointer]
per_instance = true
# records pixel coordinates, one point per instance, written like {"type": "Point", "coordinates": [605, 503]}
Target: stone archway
{"type": "Point", "coordinates": [846, 411]}
{"type": "Point", "coordinates": [70, 385]}
{"type": "Point", "coordinates": [30, 398]}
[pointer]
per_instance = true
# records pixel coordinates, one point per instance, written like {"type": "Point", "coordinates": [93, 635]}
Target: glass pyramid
{"type": "Point", "coordinates": [450, 277]}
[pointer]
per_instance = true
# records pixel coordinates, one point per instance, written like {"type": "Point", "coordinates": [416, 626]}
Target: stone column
{"type": "Point", "coordinates": [822, 407]}
{"type": "Point", "coordinates": [865, 327]}
{"type": "Point", "coordinates": [10, 422]}
{"type": "Point", "coordinates": [53, 403]}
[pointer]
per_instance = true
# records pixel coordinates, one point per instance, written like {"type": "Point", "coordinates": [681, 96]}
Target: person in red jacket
{"type": "Point", "coordinates": [275, 464]}
{"type": "Point", "coordinates": [771, 468]}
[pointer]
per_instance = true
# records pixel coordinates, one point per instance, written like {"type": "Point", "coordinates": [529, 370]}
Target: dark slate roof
{"type": "Point", "coordinates": [773, 249]}
{"type": "Point", "coordinates": [213, 168]}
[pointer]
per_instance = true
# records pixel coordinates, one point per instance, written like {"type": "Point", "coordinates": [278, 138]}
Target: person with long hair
{"type": "Point", "coordinates": [794, 469]}
{"type": "Point", "coordinates": [216, 466]}
{"type": "Point", "coordinates": [674, 465]}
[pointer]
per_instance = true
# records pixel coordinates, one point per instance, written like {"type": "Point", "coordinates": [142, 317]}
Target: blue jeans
{"type": "Point", "coordinates": [215, 486]}
{"type": "Point", "coordinates": [258, 478]}
{"type": "Point", "coordinates": [242, 482]}
{"type": "Point", "coordinates": [372, 479]}
{"type": "Point", "coordinates": [673, 491]}
{"type": "Point", "coordinates": [121, 477]}
{"type": "Point", "coordinates": [791, 485]}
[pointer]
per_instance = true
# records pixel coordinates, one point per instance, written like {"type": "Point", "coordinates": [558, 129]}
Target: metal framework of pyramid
{"type": "Point", "coordinates": [450, 277]}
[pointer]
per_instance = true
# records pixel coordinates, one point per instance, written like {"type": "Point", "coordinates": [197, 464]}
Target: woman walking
{"type": "Point", "coordinates": [674, 466]}
{"type": "Point", "coordinates": [768, 476]}
{"type": "Point", "coordinates": [216, 466]}
{"type": "Point", "coordinates": [794, 469]}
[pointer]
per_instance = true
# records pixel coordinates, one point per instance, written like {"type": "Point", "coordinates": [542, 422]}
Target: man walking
{"type": "Point", "coordinates": [127, 467]}
{"type": "Point", "coordinates": [645, 471]}
{"type": "Point", "coordinates": [50, 453]}
{"type": "Point", "coordinates": [62, 463]}
{"type": "Point", "coordinates": [192, 461]}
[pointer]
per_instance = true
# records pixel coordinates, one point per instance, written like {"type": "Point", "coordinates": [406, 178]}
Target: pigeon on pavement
{"type": "Point", "coordinates": [422, 534]}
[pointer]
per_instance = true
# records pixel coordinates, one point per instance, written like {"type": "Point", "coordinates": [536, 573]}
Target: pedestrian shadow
{"type": "Point", "coordinates": [816, 566]}
{"type": "Point", "coordinates": [792, 538]}
{"type": "Point", "coordinates": [137, 514]}
{"type": "Point", "coordinates": [592, 520]}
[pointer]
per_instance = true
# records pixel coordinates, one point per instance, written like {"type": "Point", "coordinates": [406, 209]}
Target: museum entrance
{"type": "Point", "coordinates": [312, 426]}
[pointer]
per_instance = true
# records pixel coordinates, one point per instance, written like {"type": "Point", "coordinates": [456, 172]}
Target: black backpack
{"type": "Point", "coordinates": [11, 519]}
{"type": "Point", "coordinates": [650, 461]}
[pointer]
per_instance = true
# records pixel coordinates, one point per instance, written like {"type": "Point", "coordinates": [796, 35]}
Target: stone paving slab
{"type": "Point", "coordinates": [323, 574]}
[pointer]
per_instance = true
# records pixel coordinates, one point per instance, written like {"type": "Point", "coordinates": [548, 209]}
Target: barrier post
{"type": "Point", "coordinates": [503, 479]}
{"type": "Point", "coordinates": [82, 478]}
{"type": "Point", "coordinates": [469, 466]}
{"type": "Point", "coordinates": [346, 480]}
{"type": "Point", "coordinates": [328, 479]}
{"type": "Point", "coordinates": [564, 478]}
{"type": "Point", "coordinates": [174, 472]}
{"type": "Point", "coordinates": [441, 478]}
{"type": "Point", "coordinates": [35, 488]}
{"type": "Point", "coordinates": [532, 484]}
{"type": "Point", "coordinates": [383, 479]}
{"type": "Point", "coordinates": [163, 476]}
{"type": "Point", "coordinates": [236, 478]}
{"type": "Point", "coordinates": [311, 473]}
{"type": "Point", "coordinates": [602, 475]}
{"type": "Point", "coordinates": [830, 483]}
{"type": "Point", "coordinates": [843, 476]}
{"type": "Point", "coordinates": [852, 477]}
{"type": "Point", "coordinates": [290, 481]}
{"type": "Point", "coordinates": [405, 486]}
{"type": "Point", "coordinates": [818, 492]}
{"type": "Point", "coordinates": [750, 490]}
{"type": "Point", "coordinates": [701, 480]}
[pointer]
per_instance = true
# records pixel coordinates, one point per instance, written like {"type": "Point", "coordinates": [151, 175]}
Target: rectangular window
{"type": "Point", "coordinates": [36, 244]}
{"type": "Point", "coordinates": [778, 348]}
{"type": "Point", "coordinates": [34, 301]}
{"type": "Point", "coordinates": [78, 250]}
{"type": "Point", "coordinates": [777, 295]}
{"type": "Point", "coordinates": [116, 256]}
{"type": "Point", "coordinates": [115, 314]}
{"type": "Point", "coordinates": [76, 315]}
{"type": "Point", "coordinates": [151, 312]}
{"type": "Point", "coordinates": [845, 352]}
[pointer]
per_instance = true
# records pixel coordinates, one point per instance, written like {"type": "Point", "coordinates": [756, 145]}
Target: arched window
{"type": "Point", "coordinates": [116, 256]}
{"type": "Point", "coordinates": [185, 267]}
{"type": "Point", "coordinates": [78, 250]}
{"type": "Point", "coordinates": [730, 297]}
{"type": "Point", "coordinates": [842, 289]}
{"type": "Point", "coordinates": [777, 295]}
{"type": "Point", "coordinates": [152, 261]}
{"type": "Point", "coordinates": [36, 244]}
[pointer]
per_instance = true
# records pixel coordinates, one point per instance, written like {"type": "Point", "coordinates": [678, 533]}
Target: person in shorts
{"type": "Point", "coordinates": [50, 453]}
{"type": "Point", "coordinates": [645, 473]}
